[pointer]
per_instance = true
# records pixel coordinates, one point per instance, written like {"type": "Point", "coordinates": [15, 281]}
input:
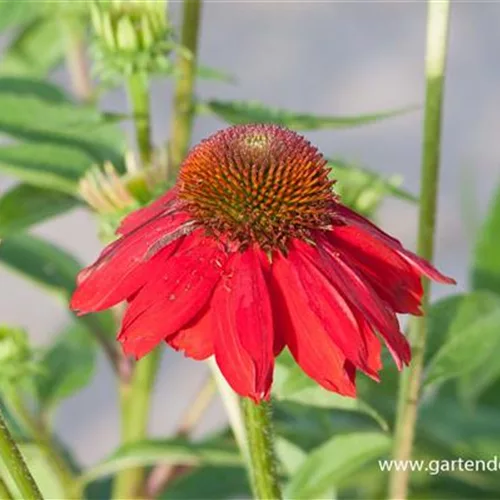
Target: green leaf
{"type": "Point", "coordinates": [40, 468]}
{"type": "Point", "coordinates": [210, 483]}
{"type": "Point", "coordinates": [41, 261]}
{"type": "Point", "coordinates": [35, 50]}
{"type": "Point", "coordinates": [329, 464]}
{"type": "Point", "coordinates": [14, 12]}
{"type": "Point", "coordinates": [291, 384]}
{"type": "Point", "coordinates": [472, 339]}
{"type": "Point", "coordinates": [241, 112]}
{"type": "Point", "coordinates": [289, 454]}
{"type": "Point", "coordinates": [67, 365]}
{"type": "Point", "coordinates": [362, 189]}
{"type": "Point", "coordinates": [24, 206]}
{"type": "Point", "coordinates": [168, 451]}
{"type": "Point", "coordinates": [33, 118]}
{"type": "Point", "coordinates": [46, 165]}
{"type": "Point", "coordinates": [33, 87]}
{"type": "Point", "coordinates": [486, 264]}
{"type": "Point", "coordinates": [208, 73]}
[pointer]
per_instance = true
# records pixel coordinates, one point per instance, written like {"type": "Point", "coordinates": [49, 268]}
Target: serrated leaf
{"type": "Point", "coordinates": [44, 475]}
{"type": "Point", "coordinates": [329, 464]}
{"type": "Point", "coordinates": [241, 112]}
{"type": "Point", "coordinates": [292, 385]}
{"type": "Point", "coordinates": [67, 365]}
{"type": "Point", "coordinates": [472, 339]}
{"type": "Point", "coordinates": [168, 451]}
{"type": "Point", "coordinates": [486, 264]}
{"type": "Point", "coordinates": [40, 261]}
{"type": "Point", "coordinates": [24, 206]}
{"type": "Point", "coordinates": [35, 50]}
{"type": "Point", "coordinates": [46, 165]}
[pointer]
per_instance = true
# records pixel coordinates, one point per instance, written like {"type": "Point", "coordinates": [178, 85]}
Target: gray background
{"type": "Point", "coordinates": [335, 58]}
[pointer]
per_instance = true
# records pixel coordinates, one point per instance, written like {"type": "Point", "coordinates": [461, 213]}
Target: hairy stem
{"type": "Point", "coordinates": [4, 491]}
{"type": "Point", "coordinates": [15, 464]}
{"type": "Point", "coordinates": [182, 120]}
{"type": "Point", "coordinates": [437, 38]}
{"type": "Point", "coordinates": [138, 93]}
{"type": "Point", "coordinates": [262, 464]}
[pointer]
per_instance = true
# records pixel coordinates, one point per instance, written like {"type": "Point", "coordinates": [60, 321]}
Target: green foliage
{"type": "Point", "coordinates": [25, 205]}
{"type": "Point", "coordinates": [471, 340]}
{"type": "Point", "coordinates": [486, 263]}
{"type": "Point", "coordinates": [35, 50]}
{"type": "Point", "coordinates": [241, 112]}
{"type": "Point", "coordinates": [40, 261]}
{"type": "Point", "coordinates": [46, 165]}
{"type": "Point", "coordinates": [336, 459]}
{"type": "Point", "coordinates": [44, 475]}
{"type": "Point", "coordinates": [168, 451]}
{"type": "Point", "coordinates": [67, 365]}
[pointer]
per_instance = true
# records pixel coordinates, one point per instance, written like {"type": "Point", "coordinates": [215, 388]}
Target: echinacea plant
{"type": "Point", "coordinates": [256, 256]}
{"type": "Point", "coordinates": [251, 252]}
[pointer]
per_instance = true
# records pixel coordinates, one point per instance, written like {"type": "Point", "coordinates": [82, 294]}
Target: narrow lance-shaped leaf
{"type": "Point", "coordinates": [337, 459]}
{"type": "Point", "coordinates": [486, 264]}
{"type": "Point", "coordinates": [46, 165]}
{"type": "Point", "coordinates": [24, 206]}
{"type": "Point", "coordinates": [241, 112]}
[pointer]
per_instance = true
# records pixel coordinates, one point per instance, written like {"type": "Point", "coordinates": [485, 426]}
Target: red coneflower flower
{"type": "Point", "coordinates": [251, 252]}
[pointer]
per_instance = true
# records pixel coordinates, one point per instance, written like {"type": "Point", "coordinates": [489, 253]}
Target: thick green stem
{"type": "Point", "coordinates": [182, 120]}
{"type": "Point", "coordinates": [5, 494]}
{"type": "Point", "coordinates": [138, 92]}
{"type": "Point", "coordinates": [135, 405]}
{"type": "Point", "coordinates": [264, 477]}
{"type": "Point", "coordinates": [42, 437]}
{"type": "Point", "coordinates": [14, 462]}
{"type": "Point", "coordinates": [437, 38]}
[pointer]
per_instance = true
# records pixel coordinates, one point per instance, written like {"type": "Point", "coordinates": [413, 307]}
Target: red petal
{"type": "Point", "coordinates": [244, 341]}
{"type": "Point", "coordinates": [122, 268]}
{"type": "Point", "coordinates": [388, 273]}
{"type": "Point", "coordinates": [145, 214]}
{"type": "Point", "coordinates": [332, 311]}
{"type": "Point", "coordinates": [197, 338]}
{"type": "Point", "coordinates": [177, 291]}
{"type": "Point", "coordinates": [425, 268]}
{"type": "Point", "coordinates": [364, 299]}
{"type": "Point", "coordinates": [309, 343]}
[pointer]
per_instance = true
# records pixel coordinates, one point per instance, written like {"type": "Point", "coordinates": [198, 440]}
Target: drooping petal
{"type": "Point", "coordinates": [334, 314]}
{"type": "Point", "coordinates": [365, 299]}
{"type": "Point", "coordinates": [311, 346]}
{"type": "Point", "coordinates": [387, 272]}
{"type": "Point", "coordinates": [122, 268]}
{"type": "Point", "coordinates": [245, 337]}
{"type": "Point", "coordinates": [196, 339]}
{"type": "Point", "coordinates": [139, 217]}
{"type": "Point", "coordinates": [172, 297]}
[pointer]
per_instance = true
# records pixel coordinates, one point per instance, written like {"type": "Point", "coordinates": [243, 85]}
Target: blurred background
{"type": "Point", "coordinates": [331, 58]}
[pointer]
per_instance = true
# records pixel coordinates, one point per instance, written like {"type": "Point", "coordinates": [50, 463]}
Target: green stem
{"type": "Point", "coordinates": [73, 33]}
{"type": "Point", "coordinates": [138, 92]}
{"type": "Point", "coordinates": [135, 405]}
{"type": "Point", "coordinates": [182, 120]}
{"type": "Point", "coordinates": [264, 478]}
{"type": "Point", "coordinates": [15, 464]}
{"type": "Point", "coordinates": [5, 493]}
{"type": "Point", "coordinates": [42, 437]}
{"type": "Point", "coordinates": [437, 39]}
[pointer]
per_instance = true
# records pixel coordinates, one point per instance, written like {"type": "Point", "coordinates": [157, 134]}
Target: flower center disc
{"type": "Point", "coordinates": [257, 183]}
